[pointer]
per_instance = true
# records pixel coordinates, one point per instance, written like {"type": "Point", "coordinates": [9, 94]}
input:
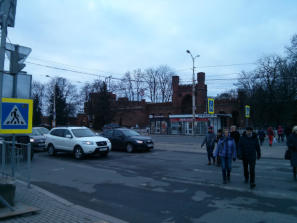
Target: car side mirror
{"type": "Point", "coordinates": [68, 136]}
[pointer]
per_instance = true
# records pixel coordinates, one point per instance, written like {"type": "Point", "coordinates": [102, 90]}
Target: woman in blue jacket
{"type": "Point", "coordinates": [226, 150]}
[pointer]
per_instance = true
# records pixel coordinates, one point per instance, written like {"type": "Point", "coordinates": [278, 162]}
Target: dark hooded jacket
{"type": "Point", "coordinates": [249, 148]}
{"type": "Point", "coordinates": [292, 145]}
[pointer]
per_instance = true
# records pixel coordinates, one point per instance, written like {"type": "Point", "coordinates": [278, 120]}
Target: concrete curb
{"type": "Point", "coordinates": [102, 218]}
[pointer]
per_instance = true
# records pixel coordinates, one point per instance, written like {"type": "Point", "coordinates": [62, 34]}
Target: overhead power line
{"type": "Point", "coordinates": [71, 70]}
{"type": "Point", "coordinates": [219, 65]}
{"type": "Point", "coordinates": [119, 79]}
{"type": "Point", "coordinates": [98, 75]}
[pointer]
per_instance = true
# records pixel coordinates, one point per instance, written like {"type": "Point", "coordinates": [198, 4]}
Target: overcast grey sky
{"type": "Point", "coordinates": [110, 37]}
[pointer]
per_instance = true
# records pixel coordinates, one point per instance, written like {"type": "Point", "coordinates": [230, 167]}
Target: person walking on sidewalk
{"type": "Point", "coordinates": [235, 135]}
{"type": "Point", "coordinates": [219, 136]}
{"type": "Point", "coordinates": [249, 150]}
{"type": "Point", "coordinates": [270, 134]}
{"type": "Point", "coordinates": [210, 140]}
{"type": "Point", "coordinates": [280, 133]}
{"type": "Point", "coordinates": [261, 135]}
{"type": "Point", "coordinates": [226, 150]}
{"type": "Point", "coordinates": [292, 146]}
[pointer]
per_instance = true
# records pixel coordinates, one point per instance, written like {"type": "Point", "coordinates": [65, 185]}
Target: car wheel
{"type": "Point", "coordinates": [129, 148]}
{"type": "Point", "coordinates": [51, 150]}
{"type": "Point", "coordinates": [78, 152]}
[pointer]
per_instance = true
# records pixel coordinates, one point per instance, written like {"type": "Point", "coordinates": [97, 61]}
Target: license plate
{"type": "Point", "coordinates": [41, 144]}
{"type": "Point", "coordinates": [150, 145]}
{"type": "Point", "coordinates": [103, 149]}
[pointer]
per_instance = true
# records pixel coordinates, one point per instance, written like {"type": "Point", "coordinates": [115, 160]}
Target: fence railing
{"type": "Point", "coordinates": [15, 161]}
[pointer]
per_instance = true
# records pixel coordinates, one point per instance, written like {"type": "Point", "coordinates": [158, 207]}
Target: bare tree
{"type": "Point", "coordinates": [151, 80]}
{"type": "Point", "coordinates": [66, 96]}
{"type": "Point", "coordinates": [164, 75]}
{"type": "Point", "coordinates": [127, 86]}
{"type": "Point", "coordinates": [138, 84]}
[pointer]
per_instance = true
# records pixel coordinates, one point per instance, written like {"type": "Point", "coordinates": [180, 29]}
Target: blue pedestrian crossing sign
{"type": "Point", "coordinates": [247, 111]}
{"type": "Point", "coordinates": [210, 106]}
{"type": "Point", "coordinates": [16, 116]}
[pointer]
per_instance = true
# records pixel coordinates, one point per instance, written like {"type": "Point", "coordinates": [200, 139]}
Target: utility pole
{"type": "Point", "coordinates": [2, 52]}
{"type": "Point", "coordinates": [193, 92]}
{"type": "Point", "coordinates": [54, 110]}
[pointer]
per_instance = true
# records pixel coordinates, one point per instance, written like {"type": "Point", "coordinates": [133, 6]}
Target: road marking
{"type": "Point", "coordinates": [58, 169]}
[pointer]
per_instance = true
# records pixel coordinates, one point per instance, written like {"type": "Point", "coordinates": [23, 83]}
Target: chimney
{"type": "Point", "coordinates": [175, 82]}
{"type": "Point", "coordinates": [201, 78]}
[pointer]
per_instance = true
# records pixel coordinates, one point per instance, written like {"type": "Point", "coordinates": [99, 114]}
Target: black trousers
{"type": "Point", "coordinates": [249, 169]}
{"type": "Point", "coordinates": [210, 155]}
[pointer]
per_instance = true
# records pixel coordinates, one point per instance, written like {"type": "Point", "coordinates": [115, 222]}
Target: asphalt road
{"type": "Point", "coordinates": [168, 186]}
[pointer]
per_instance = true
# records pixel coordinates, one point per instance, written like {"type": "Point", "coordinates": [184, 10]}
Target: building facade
{"type": "Point", "coordinates": [174, 117]}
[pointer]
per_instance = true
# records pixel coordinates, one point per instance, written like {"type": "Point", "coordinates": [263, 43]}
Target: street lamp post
{"type": "Point", "coordinates": [193, 90]}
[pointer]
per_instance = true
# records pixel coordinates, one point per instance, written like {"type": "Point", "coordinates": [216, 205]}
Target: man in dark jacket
{"type": "Point", "coordinates": [249, 150]}
{"type": "Point", "coordinates": [292, 146]}
{"type": "Point", "coordinates": [209, 140]}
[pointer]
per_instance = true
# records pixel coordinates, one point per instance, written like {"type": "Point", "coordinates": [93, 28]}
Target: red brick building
{"type": "Point", "coordinates": [174, 117]}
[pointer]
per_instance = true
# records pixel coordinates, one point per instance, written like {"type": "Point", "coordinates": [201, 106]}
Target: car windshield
{"type": "Point", "coordinates": [36, 132]}
{"type": "Point", "coordinates": [43, 130]}
{"type": "Point", "coordinates": [129, 132]}
{"type": "Point", "coordinates": [83, 133]}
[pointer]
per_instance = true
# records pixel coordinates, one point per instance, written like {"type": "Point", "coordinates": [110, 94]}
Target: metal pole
{"type": "Point", "coordinates": [193, 96]}
{"type": "Point", "coordinates": [3, 156]}
{"type": "Point", "coordinates": [193, 92]}
{"type": "Point", "coordinates": [13, 156]}
{"type": "Point", "coordinates": [2, 54]}
{"type": "Point", "coordinates": [54, 115]}
{"type": "Point", "coordinates": [29, 164]}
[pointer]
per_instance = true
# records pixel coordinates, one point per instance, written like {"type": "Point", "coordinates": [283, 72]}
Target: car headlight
{"type": "Point", "coordinates": [32, 140]}
{"type": "Point", "coordinates": [139, 141]}
{"type": "Point", "coordinates": [88, 142]}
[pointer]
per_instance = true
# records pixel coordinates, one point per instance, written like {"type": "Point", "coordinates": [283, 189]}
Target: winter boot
{"type": "Point", "coordinates": [228, 177]}
{"type": "Point", "coordinates": [252, 185]}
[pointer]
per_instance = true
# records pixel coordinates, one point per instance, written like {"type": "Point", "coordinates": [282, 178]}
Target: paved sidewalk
{"type": "Point", "coordinates": [54, 209]}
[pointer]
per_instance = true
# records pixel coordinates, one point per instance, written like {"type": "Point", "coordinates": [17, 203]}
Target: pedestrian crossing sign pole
{"type": "Point", "coordinates": [16, 116]}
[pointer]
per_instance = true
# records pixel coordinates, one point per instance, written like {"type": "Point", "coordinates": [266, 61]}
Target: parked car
{"type": "Point", "coordinates": [42, 130]}
{"type": "Point", "coordinates": [128, 140]}
{"type": "Point", "coordinates": [77, 140]}
{"type": "Point", "coordinates": [37, 139]}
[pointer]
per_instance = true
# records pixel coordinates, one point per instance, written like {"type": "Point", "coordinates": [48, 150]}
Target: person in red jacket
{"type": "Point", "coordinates": [280, 133]}
{"type": "Point", "coordinates": [270, 134]}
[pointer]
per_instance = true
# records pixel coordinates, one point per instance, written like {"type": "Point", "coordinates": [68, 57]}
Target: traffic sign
{"type": "Point", "coordinates": [247, 111]}
{"type": "Point", "coordinates": [16, 116]}
{"type": "Point", "coordinates": [17, 55]}
{"type": "Point", "coordinates": [210, 106]}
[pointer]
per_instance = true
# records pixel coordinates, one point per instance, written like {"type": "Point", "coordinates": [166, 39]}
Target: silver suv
{"type": "Point", "coordinates": [78, 140]}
